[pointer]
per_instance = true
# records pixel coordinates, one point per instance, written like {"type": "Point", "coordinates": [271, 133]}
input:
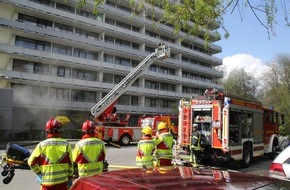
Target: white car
{"type": "Point", "coordinates": [280, 167]}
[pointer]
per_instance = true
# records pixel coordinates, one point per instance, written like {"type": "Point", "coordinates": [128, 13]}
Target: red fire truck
{"type": "Point", "coordinates": [232, 127]}
{"type": "Point", "coordinates": [109, 127]}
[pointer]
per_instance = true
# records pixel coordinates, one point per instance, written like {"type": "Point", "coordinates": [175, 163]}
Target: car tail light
{"type": "Point", "coordinates": [277, 169]}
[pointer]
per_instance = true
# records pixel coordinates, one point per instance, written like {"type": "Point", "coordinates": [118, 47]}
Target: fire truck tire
{"type": "Point", "coordinates": [274, 149]}
{"type": "Point", "coordinates": [247, 156]}
{"type": "Point", "coordinates": [125, 140]}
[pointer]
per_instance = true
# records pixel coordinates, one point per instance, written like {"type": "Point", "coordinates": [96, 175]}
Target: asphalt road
{"type": "Point", "coordinates": [117, 158]}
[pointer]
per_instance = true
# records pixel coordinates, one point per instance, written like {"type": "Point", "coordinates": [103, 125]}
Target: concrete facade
{"type": "Point", "coordinates": [57, 58]}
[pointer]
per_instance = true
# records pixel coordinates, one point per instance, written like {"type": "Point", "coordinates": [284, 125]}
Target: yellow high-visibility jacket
{"type": "Point", "coordinates": [145, 150]}
{"type": "Point", "coordinates": [89, 155]}
{"type": "Point", "coordinates": [53, 159]}
{"type": "Point", "coordinates": [164, 144]}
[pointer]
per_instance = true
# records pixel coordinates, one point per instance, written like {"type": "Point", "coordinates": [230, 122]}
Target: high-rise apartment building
{"type": "Point", "coordinates": [56, 57]}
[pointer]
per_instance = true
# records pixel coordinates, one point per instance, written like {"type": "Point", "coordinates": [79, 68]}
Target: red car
{"type": "Point", "coordinates": [177, 178]}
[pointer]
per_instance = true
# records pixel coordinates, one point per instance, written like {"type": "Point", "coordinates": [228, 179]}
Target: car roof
{"type": "Point", "coordinates": [176, 177]}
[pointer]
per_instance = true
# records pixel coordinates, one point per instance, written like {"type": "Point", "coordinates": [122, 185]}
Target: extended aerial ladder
{"type": "Point", "coordinates": [160, 53]}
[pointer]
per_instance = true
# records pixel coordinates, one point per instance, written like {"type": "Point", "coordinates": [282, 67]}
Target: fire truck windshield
{"type": "Point", "coordinates": [147, 122]}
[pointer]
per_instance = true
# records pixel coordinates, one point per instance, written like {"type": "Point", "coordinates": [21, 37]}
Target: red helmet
{"type": "Point", "coordinates": [88, 127]}
{"type": "Point", "coordinates": [52, 126]}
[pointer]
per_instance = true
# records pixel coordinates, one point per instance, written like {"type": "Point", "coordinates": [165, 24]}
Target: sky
{"type": "Point", "coordinates": [249, 46]}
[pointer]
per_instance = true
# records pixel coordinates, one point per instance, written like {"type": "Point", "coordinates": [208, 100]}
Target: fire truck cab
{"type": "Point", "coordinates": [153, 121]}
{"type": "Point", "coordinates": [232, 128]}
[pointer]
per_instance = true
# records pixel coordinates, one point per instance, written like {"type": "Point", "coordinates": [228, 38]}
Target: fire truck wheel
{"type": "Point", "coordinates": [247, 156]}
{"type": "Point", "coordinates": [274, 149]}
{"type": "Point", "coordinates": [125, 140]}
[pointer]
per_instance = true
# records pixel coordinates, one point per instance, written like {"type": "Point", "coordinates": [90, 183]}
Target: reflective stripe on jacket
{"type": "Point", "coordinates": [145, 151]}
{"type": "Point", "coordinates": [89, 155]}
{"type": "Point", "coordinates": [52, 158]}
{"type": "Point", "coordinates": [164, 144]}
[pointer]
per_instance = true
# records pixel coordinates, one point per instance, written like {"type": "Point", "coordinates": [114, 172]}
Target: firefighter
{"type": "Point", "coordinates": [195, 146]}
{"type": "Point", "coordinates": [51, 160]}
{"type": "Point", "coordinates": [145, 149]}
{"type": "Point", "coordinates": [89, 153]}
{"type": "Point", "coordinates": [164, 144]}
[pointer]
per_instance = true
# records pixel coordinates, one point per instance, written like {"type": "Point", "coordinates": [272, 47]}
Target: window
{"type": "Point", "coordinates": [109, 39]}
{"type": "Point", "coordinates": [153, 68]}
{"type": "Point", "coordinates": [35, 21]}
{"type": "Point", "coordinates": [85, 54]}
{"type": "Point", "coordinates": [134, 100]}
{"type": "Point", "coordinates": [122, 61]}
{"type": "Point", "coordinates": [32, 44]}
{"type": "Point", "coordinates": [79, 74]}
{"type": "Point", "coordinates": [135, 46]}
{"type": "Point", "coordinates": [123, 25]}
{"type": "Point", "coordinates": [86, 34]}
{"type": "Point", "coordinates": [108, 58]}
{"type": "Point", "coordinates": [37, 68]}
{"type": "Point", "coordinates": [45, 2]}
{"type": "Point", "coordinates": [65, 8]}
{"type": "Point", "coordinates": [107, 78]}
{"type": "Point", "coordinates": [166, 70]}
{"type": "Point", "coordinates": [134, 63]}
{"type": "Point", "coordinates": [124, 100]}
{"type": "Point", "coordinates": [83, 96]}
{"type": "Point", "coordinates": [118, 79]}
{"type": "Point", "coordinates": [38, 92]}
{"type": "Point", "coordinates": [151, 102]}
{"type": "Point", "coordinates": [110, 3]}
{"type": "Point", "coordinates": [152, 85]}
{"type": "Point", "coordinates": [61, 49]}
{"type": "Point", "coordinates": [79, 53]}
{"type": "Point", "coordinates": [30, 67]}
{"type": "Point", "coordinates": [59, 94]}
{"type": "Point", "coordinates": [151, 34]}
{"type": "Point", "coordinates": [61, 71]}
{"type": "Point", "coordinates": [149, 49]}
{"type": "Point", "coordinates": [185, 90]}
{"type": "Point", "coordinates": [164, 103]}
{"type": "Point", "coordinates": [135, 83]}
{"type": "Point", "coordinates": [122, 43]}
{"type": "Point", "coordinates": [110, 21]}
{"type": "Point", "coordinates": [124, 8]}
{"type": "Point", "coordinates": [167, 87]}
{"type": "Point", "coordinates": [86, 14]}
{"type": "Point", "coordinates": [63, 28]}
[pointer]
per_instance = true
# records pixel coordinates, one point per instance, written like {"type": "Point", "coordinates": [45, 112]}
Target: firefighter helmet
{"type": "Point", "coordinates": [88, 127]}
{"type": "Point", "coordinates": [194, 127]}
{"type": "Point", "coordinates": [147, 130]}
{"type": "Point", "coordinates": [52, 126]}
{"type": "Point", "coordinates": [161, 126]}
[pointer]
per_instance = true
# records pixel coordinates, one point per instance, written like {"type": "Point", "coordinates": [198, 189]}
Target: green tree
{"type": "Point", "coordinates": [277, 87]}
{"type": "Point", "coordinates": [200, 17]}
{"type": "Point", "coordinates": [241, 83]}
